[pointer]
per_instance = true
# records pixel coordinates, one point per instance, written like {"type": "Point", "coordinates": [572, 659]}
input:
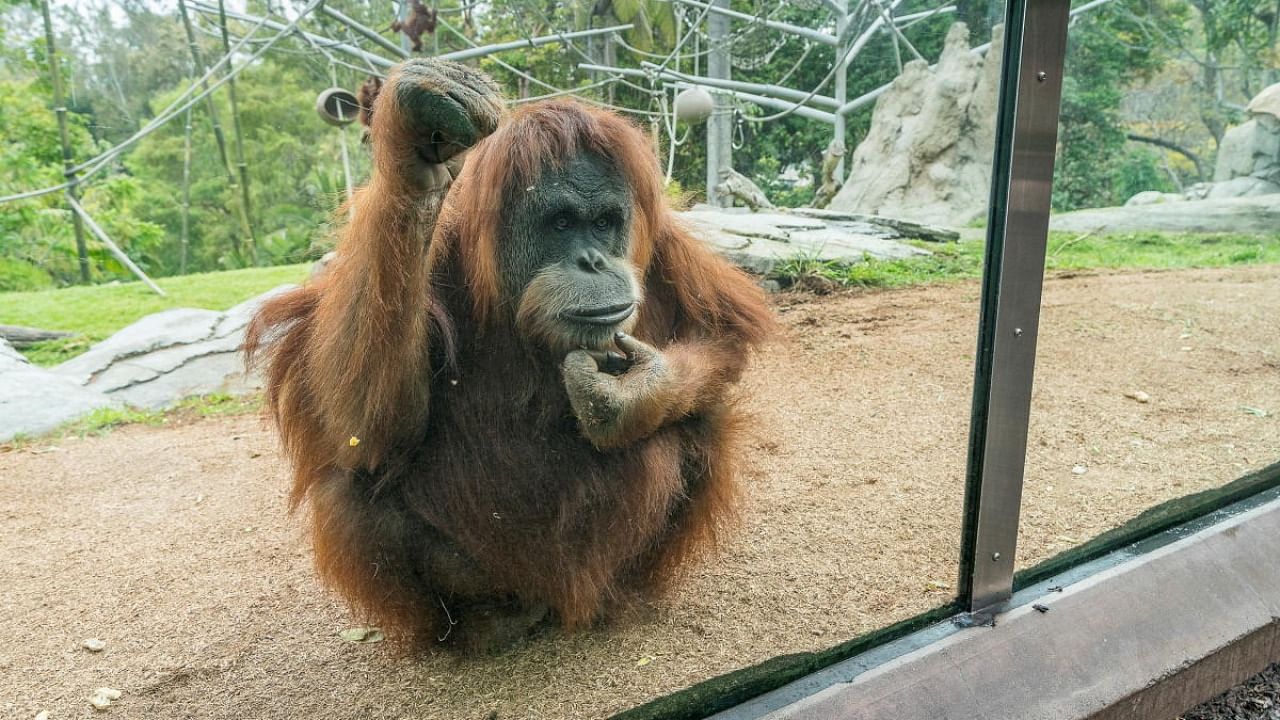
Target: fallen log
{"type": "Point", "coordinates": [21, 337]}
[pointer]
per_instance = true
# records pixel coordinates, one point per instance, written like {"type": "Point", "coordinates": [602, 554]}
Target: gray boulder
{"type": "Point", "coordinates": [163, 358]}
{"type": "Point", "coordinates": [927, 155]}
{"type": "Point", "coordinates": [1250, 150]}
{"type": "Point", "coordinates": [34, 400]}
{"type": "Point", "coordinates": [1153, 197]}
{"type": "Point", "coordinates": [165, 329]}
{"type": "Point", "coordinates": [1247, 186]}
{"type": "Point", "coordinates": [1249, 154]}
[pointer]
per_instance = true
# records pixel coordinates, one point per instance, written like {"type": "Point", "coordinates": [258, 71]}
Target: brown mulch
{"type": "Point", "coordinates": [1257, 698]}
{"type": "Point", "coordinates": [171, 543]}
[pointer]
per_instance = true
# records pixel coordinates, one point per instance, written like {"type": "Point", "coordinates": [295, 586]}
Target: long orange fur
{"type": "Point", "coordinates": [412, 412]}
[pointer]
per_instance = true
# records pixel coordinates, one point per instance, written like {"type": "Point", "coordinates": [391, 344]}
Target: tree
{"type": "Point", "coordinates": [1095, 166]}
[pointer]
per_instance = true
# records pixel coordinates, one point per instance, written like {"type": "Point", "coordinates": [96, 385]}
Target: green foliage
{"type": "Point", "coordinates": [768, 175]}
{"type": "Point", "coordinates": [103, 420]}
{"type": "Point", "coordinates": [1163, 251]}
{"type": "Point", "coordinates": [219, 404]}
{"type": "Point", "coordinates": [956, 261]}
{"type": "Point", "coordinates": [294, 169]}
{"type": "Point", "coordinates": [56, 352]}
{"type": "Point", "coordinates": [18, 274]}
{"type": "Point", "coordinates": [38, 231]}
{"type": "Point", "coordinates": [124, 53]}
{"type": "Point", "coordinates": [1106, 50]}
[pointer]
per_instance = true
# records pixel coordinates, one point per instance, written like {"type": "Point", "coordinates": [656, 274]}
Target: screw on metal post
{"type": "Point", "coordinates": [1042, 76]}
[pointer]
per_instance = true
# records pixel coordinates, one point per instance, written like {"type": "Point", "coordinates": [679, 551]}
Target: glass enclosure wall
{"type": "Point", "coordinates": [1158, 374]}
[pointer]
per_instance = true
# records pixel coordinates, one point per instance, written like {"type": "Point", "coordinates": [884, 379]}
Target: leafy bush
{"type": "Point", "coordinates": [18, 274]}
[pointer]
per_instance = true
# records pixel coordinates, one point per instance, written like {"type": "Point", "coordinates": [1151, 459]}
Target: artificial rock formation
{"type": "Point", "coordinates": [1248, 167]}
{"type": "Point", "coordinates": [927, 156]}
{"type": "Point", "coordinates": [1249, 155]}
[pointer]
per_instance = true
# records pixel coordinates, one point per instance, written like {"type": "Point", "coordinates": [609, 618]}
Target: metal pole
{"type": "Point", "coordinates": [721, 10]}
{"type": "Point", "coordinates": [366, 31]}
{"type": "Point", "coordinates": [842, 81]}
{"type": "Point", "coordinates": [328, 43]}
{"type": "Point", "coordinates": [80, 212]}
{"type": "Point", "coordinates": [776, 91]}
{"type": "Point", "coordinates": [212, 107]}
{"type": "Point", "coordinates": [60, 109]}
{"type": "Point", "coordinates": [762, 101]}
{"type": "Point", "coordinates": [435, 34]}
{"type": "Point", "coordinates": [1013, 275]}
{"type": "Point", "coordinates": [720, 124]}
{"type": "Point", "coordinates": [342, 140]}
{"type": "Point", "coordinates": [245, 226]}
{"type": "Point", "coordinates": [186, 195]}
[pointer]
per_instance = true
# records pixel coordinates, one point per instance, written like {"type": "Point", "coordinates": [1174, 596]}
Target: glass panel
{"type": "Point", "coordinates": [168, 540]}
{"type": "Point", "coordinates": [1156, 375]}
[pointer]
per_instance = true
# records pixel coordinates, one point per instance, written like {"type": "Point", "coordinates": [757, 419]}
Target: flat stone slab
{"type": "Point", "coordinates": [759, 241]}
{"type": "Point", "coordinates": [163, 358]}
{"type": "Point", "coordinates": [166, 357]}
{"type": "Point", "coordinates": [153, 363]}
{"type": "Point", "coordinates": [34, 400]}
{"type": "Point", "coordinates": [1258, 214]}
{"type": "Point", "coordinates": [153, 332]}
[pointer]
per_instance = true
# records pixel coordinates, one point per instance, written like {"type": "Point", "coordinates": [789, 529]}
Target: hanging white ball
{"type": "Point", "coordinates": [694, 105]}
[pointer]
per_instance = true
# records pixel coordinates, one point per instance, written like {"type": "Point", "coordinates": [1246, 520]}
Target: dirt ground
{"type": "Point", "coordinates": [172, 546]}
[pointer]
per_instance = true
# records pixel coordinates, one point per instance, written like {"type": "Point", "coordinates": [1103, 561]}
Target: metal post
{"type": "Point", "coordinates": [435, 34]}
{"type": "Point", "coordinates": [348, 184]}
{"type": "Point", "coordinates": [60, 109]}
{"type": "Point", "coordinates": [720, 124]}
{"type": "Point", "coordinates": [186, 194]}
{"type": "Point", "coordinates": [1030, 95]}
{"type": "Point", "coordinates": [368, 32]}
{"type": "Point", "coordinates": [105, 239]}
{"type": "Point", "coordinates": [842, 80]}
{"type": "Point", "coordinates": [201, 68]}
{"type": "Point", "coordinates": [245, 225]}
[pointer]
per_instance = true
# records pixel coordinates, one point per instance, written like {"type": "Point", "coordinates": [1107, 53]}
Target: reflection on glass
{"type": "Point", "coordinates": [1157, 371]}
{"type": "Point", "coordinates": [867, 125]}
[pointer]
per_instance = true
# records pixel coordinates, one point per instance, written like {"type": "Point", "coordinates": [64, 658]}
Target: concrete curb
{"type": "Point", "coordinates": [1147, 638]}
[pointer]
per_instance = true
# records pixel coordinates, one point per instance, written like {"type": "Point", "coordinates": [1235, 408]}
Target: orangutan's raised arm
{"type": "Point", "coordinates": [352, 377]}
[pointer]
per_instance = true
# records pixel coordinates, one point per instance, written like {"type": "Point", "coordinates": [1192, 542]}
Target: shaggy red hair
{"type": "Point", "coordinates": [357, 358]}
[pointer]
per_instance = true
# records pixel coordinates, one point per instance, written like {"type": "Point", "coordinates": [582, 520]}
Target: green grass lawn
{"type": "Point", "coordinates": [1066, 251]}
{"type": "Point", "coordinates": [95, 312]}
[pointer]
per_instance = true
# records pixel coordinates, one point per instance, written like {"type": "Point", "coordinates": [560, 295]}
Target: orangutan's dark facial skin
{"type": "Point", "coordinates": [564, 257]}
